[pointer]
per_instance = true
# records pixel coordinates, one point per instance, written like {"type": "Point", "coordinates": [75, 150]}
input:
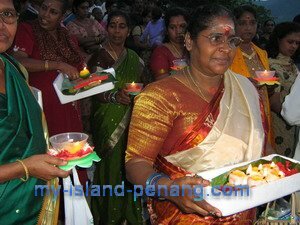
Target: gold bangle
{"type": "Point", "coordinates": [26, 170]}
{"type": "Point", "coordinates": [46, 65]}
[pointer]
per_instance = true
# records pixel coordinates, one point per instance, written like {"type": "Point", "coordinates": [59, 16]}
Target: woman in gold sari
{"type": "Point", "coordinates": [249, 57]}
{"type": "Point", "coordinates": [186, 123]}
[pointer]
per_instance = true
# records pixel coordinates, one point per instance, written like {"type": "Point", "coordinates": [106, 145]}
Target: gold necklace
{"type": "Point", "coordinates": [176, 50]}
{"type": "Point", "coordinates": [190, 78]}
{"type": "Point", "coordinates": [250, 57]}
{"type": "Point", "coordinates": [112, 53]}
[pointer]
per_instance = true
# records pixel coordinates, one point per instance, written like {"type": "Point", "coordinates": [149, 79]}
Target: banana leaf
{"type": "Point", "coordinates": [224, 178]}
{"type": "Point", "coordinates": [71, 87]}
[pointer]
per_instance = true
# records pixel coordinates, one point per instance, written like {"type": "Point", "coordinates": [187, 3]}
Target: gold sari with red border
{"type": "Point", "coordinates": [165, 212]}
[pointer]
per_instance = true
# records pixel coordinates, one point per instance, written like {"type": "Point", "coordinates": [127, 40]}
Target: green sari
{"type": "Point", "coordinates": [110, 129]}
{"type": "Point", "coordinates": [21, 136]}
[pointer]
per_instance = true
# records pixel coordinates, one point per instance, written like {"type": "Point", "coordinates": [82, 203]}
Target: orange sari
{"type": "Point", "coordinates": [239, 66]}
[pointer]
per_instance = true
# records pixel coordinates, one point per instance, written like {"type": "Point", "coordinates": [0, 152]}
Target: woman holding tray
{"type": "Point", "coordinates": [23, 162]}
{"type": "Point", "coordinates": [45, 48]}
{"type": "Point", "coordinates": [110, 119]}
{"type": "Point", "coordinates": [205, 117]}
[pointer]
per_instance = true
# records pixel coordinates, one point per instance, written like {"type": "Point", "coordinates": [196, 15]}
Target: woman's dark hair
{"type": "Point", "coordinates": [76, 4]}
{"type": "Point", "coordinates": [240, 10]}
{"type": "Point", "coordinates": [268, 20]}
{"type": "Point", "coordinates": [17, 5]}
{"type": "Point", "coordinates": [172, 12]}
{"type": "Point", "coordinates": [176, 11]}
{"type": "Point", "coordinates": [280, 32]}
{"type": "Point", "coordinates": [118, 13]}
{"type": "Point", "coordinates": [156, 13]}
{"type": "Point", "coordinates": [203, 16]}
{"type": "Point", "coordinates": [297, 19]}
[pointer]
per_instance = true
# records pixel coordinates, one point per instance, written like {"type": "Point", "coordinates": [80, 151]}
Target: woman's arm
{"type": "Point", "coordinates": [150, 125]}
{"type": "Point", "coordinates": [138, 171]}
{"type": "Point", "coordinates": [40, 166]}
{"type": "Point", "coordinates": [291, 105]}
{"type": "Point", "coordinates": [159, 63]}
{"type": "Point", "coordinates": [36, 65]}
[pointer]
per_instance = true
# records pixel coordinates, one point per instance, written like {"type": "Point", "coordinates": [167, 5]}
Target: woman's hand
{"type": "Point", "coordinates": [123, 97]}
{"type": "Point", "coordinates": [71, 71]}
{"type": "Point", "coordinates": [45, 167]}
{"type": "Point", "coordinates": [188, 203]}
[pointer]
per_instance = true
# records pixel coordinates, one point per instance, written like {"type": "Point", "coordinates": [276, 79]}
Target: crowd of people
{"type": "Point", "coordinates": [207, 113]}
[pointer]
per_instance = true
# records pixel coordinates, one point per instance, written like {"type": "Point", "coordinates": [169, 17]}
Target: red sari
{"type": "Point", "coordinates": [161, 61]}
{"type": "Point", "coordinates": [60, 118]}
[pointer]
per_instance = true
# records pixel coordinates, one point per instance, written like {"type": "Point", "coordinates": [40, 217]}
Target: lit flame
{"type": "Point", "coordinates": [249, 169]}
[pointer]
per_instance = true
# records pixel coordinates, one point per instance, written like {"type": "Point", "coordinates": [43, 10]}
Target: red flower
{"type": "Point", "coordinates": [288, 171]}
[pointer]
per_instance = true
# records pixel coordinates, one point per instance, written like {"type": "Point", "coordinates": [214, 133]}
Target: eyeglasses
{"type": "Point", "coordinates": [218, 39]}
{"type": "Point", "coordinates": [9, 17]}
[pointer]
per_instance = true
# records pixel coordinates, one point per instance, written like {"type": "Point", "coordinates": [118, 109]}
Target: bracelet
{"type": "Point", "coordinates": [109, 97]}
{"type": "Point", "coordinates": [26, 170]}
{"type": "Point", "coordinates": [46, 65]}
{"type": "Point", "coordinates": [154, 178]}
{"type": "Point", "coordinates": [104, 96]}
{"type": "Point", "coordinates": [113, 97]}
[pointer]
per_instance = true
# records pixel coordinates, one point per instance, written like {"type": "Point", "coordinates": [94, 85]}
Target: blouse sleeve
{"type": "Point", "coordinates": [24, 39]}
{"type": "Point", "coordinates": [151, 122]}
{"type": "Point", "coordinates": [291, 105]}
{"type": "Point", "coordinates": [159, 63]}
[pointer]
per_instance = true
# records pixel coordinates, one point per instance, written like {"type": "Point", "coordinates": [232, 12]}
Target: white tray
{"type": "Point", "coordinates": [259, 195]}
{"type": "Point", "coordinates": [93, 91]}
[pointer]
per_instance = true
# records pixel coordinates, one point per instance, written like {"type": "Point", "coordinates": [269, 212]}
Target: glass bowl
{"type": "Point", "coordinates": [265, 74]}
{"type": "Point", "coordinates": [71, 142]}
{"type": "Point", "coordinates": [180, 63]}
{"type": "Point", "coordinates": [134, 87]}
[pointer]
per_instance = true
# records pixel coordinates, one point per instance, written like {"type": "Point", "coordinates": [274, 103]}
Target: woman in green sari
{"type": "Point", "coordinates": [110, 119]}
{"type": "Point", "coordinates": [22, 140]}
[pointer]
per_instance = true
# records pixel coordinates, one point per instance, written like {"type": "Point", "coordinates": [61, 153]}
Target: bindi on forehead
{"type": "Point", "coordinates": [117, 20]}
{"type": "Point", "coordinates": [225, 29]}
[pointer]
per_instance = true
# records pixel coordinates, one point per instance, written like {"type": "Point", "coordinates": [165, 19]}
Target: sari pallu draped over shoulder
{"type": "Point", "coordinates": [22, 136]}
{"type": "Point", "coordinates": [239, 66]}
{"type": "Point", "coordinates": [111, 120]}
{"type": "Point", "coordinates": [109, 126]}
{"type": "Point", "coordinates": [237, 135]}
